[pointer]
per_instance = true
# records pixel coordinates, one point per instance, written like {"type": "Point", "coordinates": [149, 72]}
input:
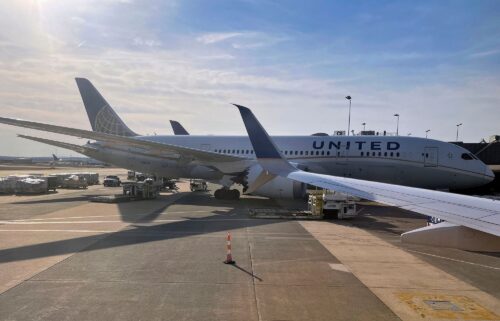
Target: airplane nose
{"type": "Point", "coordinates": [488, 174]}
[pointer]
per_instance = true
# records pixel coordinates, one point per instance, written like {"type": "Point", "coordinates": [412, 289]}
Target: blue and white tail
{"type": "Point", "coordinates": [178, 128]}
{"type": "Point", "coordinates": [102, 117]}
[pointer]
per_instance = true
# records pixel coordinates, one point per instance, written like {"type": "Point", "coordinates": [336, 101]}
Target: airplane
{"type": "Point", "coordinates": [457, 211]}
{"type": "Point", "coordinates": [229, 160]}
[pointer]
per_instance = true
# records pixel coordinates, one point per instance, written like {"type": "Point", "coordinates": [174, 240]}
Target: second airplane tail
{"type": "Point", "coordinates": [178, 128]}
{"type": "Point", "coordinates": [102, 117]}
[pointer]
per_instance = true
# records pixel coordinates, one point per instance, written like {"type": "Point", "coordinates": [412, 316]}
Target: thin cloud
{"type": "Point", "coordinates": [216, 37]}
{"type": "Point", "coordinates": [487, 53]}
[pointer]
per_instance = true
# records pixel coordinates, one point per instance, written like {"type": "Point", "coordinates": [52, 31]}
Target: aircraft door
{"type": "Point", "coordinates": [431, 156]}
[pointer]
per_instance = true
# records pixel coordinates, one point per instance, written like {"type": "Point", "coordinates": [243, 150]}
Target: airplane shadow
{"type": "Point", "coordinates": [217, 221]}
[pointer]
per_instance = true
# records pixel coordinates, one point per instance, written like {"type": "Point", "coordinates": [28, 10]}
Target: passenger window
{"type": "Point", "coordinates": [373, 153]}
{"type": "Point", "coordinates": [301, 152]}
{"type": "Point", "coordinates": [392, 154]}
{"type": "Point", "coordinates": [233, 151]}
{"type": "Point", "coordinates": [379, 153]}
{"type": "Point", "coordinates": [307, 153]}
{"type": "Point", "coordinates": [328, 153]}
{"type": "Point", "coordinates": [296, 152]}
{"type": "Point", "coordinates": [317, 152]}
{"type": "Point", "coordinates": [286, 152]}
{"type": "Point", "coordinates": [466, 156]}
{"type": "Point", "coordinates": [322, 152]}
{"type": "Point", "coordinates": [224, 151]}
{"type": "Point", "coordinates": [385, 153]}
{"type": "Point", "coordinates": [397, 154]}
{"type": "Point", "coordinates": [362, 154]}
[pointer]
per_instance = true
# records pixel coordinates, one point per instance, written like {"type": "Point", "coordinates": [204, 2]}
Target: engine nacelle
{"type": "Point", "coordinates": [278, 187]}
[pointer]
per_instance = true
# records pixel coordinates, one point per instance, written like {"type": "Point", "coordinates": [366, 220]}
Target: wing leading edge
{"type": "Point", "coordinates": [140, 142]}
{"type": "Point", "coordinates": [473, 212]}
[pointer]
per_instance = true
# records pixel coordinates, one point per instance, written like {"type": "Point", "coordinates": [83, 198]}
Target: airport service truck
{"type": "Point", "coordinates": [332, 204]}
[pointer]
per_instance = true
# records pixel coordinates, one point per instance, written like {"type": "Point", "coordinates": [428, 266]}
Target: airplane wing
{"type": "Point", "coordinates": [73, 147]}
{"type": "Point", "coordinates": [473, 212]}
{"type": "Point", "coordinates": [190, 154]}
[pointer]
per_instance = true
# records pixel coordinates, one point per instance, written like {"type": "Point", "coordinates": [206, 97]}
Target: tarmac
{"type": "Point", "coordinates": [64, 258]}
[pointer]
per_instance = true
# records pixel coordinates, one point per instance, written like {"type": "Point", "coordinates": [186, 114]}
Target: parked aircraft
{"type": "Point", "coordinates": [456, 210]}
{"type": "Point", "coordinates": [229, 160]}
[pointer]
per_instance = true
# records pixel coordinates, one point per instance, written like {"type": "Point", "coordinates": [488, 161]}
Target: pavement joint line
{"type": "Point", "coordinates": [57, 218]}
{"type": "Point", "coordinates": [320, 258]}
{"type": "Point", "coordinates": [454, 260]}
{"type": "Point", "coordinates": [132, 282]}
{"type": "Point", "coordinates": [289, 238]}
{"type": "Point", "coordinates": [450, 290]}
{"type": "Point", "coordinates": [193, 282]}
{"type": "Point", "coordinates": [253, 277]}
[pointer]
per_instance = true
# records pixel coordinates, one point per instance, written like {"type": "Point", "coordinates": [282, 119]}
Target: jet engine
{"type": "Point", "coordinates": [278, 187]}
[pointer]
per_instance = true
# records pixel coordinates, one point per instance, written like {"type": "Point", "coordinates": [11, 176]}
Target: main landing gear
{"type": "Point", "coordinates": [227, 194]}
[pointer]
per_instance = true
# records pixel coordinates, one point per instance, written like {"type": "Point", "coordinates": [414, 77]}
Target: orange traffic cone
{"type": "Point", "coordinates": [229, 257]}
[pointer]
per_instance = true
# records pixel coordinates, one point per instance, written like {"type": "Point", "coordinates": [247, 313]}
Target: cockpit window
{"type": "Point", "coordinates": [467, 156]}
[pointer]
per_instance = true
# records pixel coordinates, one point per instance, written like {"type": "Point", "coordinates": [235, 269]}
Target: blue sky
{"type": "Point", "coordinates": [436, 63]}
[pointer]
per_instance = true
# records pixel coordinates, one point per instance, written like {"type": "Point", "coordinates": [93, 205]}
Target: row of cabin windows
{"type": "Point", "coordinates": [301, 153]}
{"type": "Point", "coordinates": [234, 151]}
{"type": "Point", "coordinates": [385, 154]}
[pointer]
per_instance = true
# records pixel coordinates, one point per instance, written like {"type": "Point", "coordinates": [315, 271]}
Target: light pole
{"type": "Point", "coordinates": [364, 126]}
{"type": "Point", "coordinates": [458, 126]}
{"type": "Point", "coordinates": [349, 121]}
{"type": "Point", "coordinates": [427, 132]}
{"type": "Point", "coordinates": [397, 124]}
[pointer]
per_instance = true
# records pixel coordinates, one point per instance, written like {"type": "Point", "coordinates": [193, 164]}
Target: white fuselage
{"type": "Point", "coordinates": [409, 161]}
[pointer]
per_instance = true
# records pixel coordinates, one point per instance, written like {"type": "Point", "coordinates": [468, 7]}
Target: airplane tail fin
{"type": "Point", "coordinates": [102, 117]}
{"type": "Point", "coordinates": [55, 157]}
{"type": "Point", "coordinates": [178, 128]}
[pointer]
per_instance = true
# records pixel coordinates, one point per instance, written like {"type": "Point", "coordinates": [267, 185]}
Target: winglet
{"type": "Point", "coordinates": [262, 144]}
{"type": "Point", "coordinates": [266, 151]}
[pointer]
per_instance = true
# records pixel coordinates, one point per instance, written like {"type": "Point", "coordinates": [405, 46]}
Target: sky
{"type": "Point", "coordinates": [435, 63]}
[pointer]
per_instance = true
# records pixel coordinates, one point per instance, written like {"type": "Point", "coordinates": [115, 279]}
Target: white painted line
{"type": "Point", "coordinates": [72, 231]}
{"type": "Point", "coordinates": [118, 221]}
{"type": "Point", "coordinates": [454, 260]}
{"type": "Point", "coordinates": [58, 218]}
{"type": "Point", "coordinates": [339, 267]}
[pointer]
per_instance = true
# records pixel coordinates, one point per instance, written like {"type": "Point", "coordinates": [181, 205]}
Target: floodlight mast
{"type": "Point", "coordinates": [349, 120]}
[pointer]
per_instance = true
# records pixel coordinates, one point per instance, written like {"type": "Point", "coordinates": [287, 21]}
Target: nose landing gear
{"type": "Point", "coordinates": [227, 194]}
